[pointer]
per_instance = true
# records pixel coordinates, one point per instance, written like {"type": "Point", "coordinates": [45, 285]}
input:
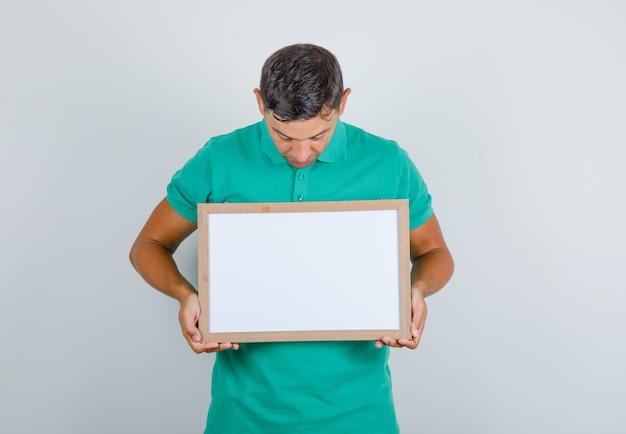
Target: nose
{"type": "Point", "coordinates": [301, 152]}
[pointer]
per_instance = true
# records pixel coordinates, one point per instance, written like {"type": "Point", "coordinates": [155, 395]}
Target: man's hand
{"type": "Point", "coordinates": [152, 256]}
{"type": "Point", "coordinates": [432, 268]}
{"type": "Point", "coordinates": [419, 310]}
{"type": "Point", "coordinates": [188, 316]}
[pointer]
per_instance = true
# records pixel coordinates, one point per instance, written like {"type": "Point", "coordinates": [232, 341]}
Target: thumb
{"type": "Point", "coordinates": [188, 318]}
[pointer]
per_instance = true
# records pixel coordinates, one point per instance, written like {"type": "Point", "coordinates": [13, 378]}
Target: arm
{"type": "Point", "coordinates": [152, 257]}
{"type": "Point", "coordinates": [432, 268]}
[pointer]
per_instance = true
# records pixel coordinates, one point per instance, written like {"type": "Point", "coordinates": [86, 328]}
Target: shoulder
{"type": "Point", "coordinates": [218, 148]}
{"type": "Point", "coordinates": [371, 143]}
{"type": "Point", "coordinates": [238, 136]}
{"type": "Point", "coordinates": [227, 145]}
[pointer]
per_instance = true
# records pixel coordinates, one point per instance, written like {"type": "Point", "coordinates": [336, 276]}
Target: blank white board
{"type": "Point", "coordinates": [304, 271]}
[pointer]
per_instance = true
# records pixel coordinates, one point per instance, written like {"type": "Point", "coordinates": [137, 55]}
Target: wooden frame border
{"type": "Point", "coordinates": [400, 205]}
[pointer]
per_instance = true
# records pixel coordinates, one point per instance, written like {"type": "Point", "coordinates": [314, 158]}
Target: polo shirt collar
{"type": "Point", "coordinates": [334, 152]}
{"type": "Point", "coordinates": [267, 146]}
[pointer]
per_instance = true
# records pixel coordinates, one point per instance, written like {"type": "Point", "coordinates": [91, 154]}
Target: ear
{"type": "Point", "coordinates": [259, 102]}
{"type": "Point", "coordinates": [344, 99]}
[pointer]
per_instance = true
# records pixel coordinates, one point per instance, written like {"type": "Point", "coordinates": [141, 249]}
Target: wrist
{"type": "Point", "coordinates": [183, 291]}
{"type": "Point", "coordinates": [418, 289]}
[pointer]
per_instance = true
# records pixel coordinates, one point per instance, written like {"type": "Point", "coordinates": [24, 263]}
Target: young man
{"type": "Point", "coordinates": [299, 151]}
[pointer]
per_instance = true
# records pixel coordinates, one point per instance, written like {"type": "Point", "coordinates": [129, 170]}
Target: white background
{"type": "Point", "coordinates": [513, 111]}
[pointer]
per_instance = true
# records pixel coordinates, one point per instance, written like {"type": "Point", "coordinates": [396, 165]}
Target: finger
{"type": "Point", "coordinates": [419, 316]}
{"type": "Point", "coordinates": [208, 347]}
{"type": "Point", "coordinates": [390, 342]}
{"type": "Point", "coordinates": [225, 346]}
{"type": "Point", "coordinates": [418, 321]}
{"type": "Point", "coordinates": [188, 319]}
{"type": "Point", "coordinates": [417, 330]}
{"type": "Point", "coordinates": [191, 334]}
{"type": "Point", "coordinates": [408, 343]}
{"type": "Point", "coordinates": [417, 326]}
{"type": "Point", "coordinates": [213, 347]}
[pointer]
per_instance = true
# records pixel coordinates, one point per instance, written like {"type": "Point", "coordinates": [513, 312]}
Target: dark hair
{"type": "Point", "coordinates": [301, 81]}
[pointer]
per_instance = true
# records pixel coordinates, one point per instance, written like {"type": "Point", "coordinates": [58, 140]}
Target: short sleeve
{"type": "Point", "coordinates": [191, 185]}
{"type": "Point", "coordinates": [420, 201]}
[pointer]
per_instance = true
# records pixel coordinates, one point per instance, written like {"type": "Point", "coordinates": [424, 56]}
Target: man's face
{"type": "Point", "coordinates": [300, 142]}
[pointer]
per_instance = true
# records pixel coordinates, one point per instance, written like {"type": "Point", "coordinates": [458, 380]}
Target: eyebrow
{"type": "Point", "coordinates": [321, 133]}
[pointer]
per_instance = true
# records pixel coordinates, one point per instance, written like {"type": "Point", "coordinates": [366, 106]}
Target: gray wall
{"type": "Point", "coordinates": [514, 111]}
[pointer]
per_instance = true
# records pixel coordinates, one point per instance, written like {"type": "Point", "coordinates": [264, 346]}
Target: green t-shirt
{"type": "Point", "coordinates": [300, 387]}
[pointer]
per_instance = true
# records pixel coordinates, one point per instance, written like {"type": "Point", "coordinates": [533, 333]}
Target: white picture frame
{"type": "Point", "coordinates": [304, 271]}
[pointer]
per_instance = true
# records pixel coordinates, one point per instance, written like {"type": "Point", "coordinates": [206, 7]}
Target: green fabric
{"type": "Point", "coordinates": [300, 387]}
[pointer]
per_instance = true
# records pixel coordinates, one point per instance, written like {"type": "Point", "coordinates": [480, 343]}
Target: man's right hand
{"type": "Point", "coordinates": [188, 316]}
{"type": "Point", "coordinates": [152, 256]}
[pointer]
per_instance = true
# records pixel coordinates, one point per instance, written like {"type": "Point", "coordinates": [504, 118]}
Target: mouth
{"type": "Point", "coordinates": [300, 164]}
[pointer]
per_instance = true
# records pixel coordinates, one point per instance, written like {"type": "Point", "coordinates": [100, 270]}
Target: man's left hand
{"type": "Point", "coordinates": [419, 310]}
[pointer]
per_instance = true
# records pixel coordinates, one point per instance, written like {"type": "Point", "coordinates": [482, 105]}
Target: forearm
{"type": "Point", "coordinates": [431, 271]}
{"type": "Point", "coordinates": [155, 263]}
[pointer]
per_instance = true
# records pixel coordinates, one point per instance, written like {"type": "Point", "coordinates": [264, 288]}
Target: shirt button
{"type": "Point", "coordinates": [300, 197]}
{"type": "Point", "coordinates": [301, 176]}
